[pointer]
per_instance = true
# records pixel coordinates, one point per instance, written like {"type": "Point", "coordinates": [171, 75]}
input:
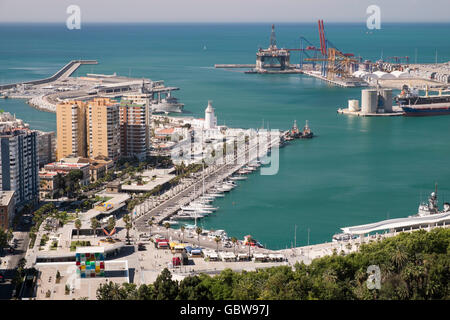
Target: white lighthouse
{"type": "Point", "coordinates": [210, 119]}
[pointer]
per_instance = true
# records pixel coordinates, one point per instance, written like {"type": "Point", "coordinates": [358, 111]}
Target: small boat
{"type": "Point", "coordinates": [343, 237]}
{"type": "Point", "coordinates": [191, 216]}
{"type": "Point", "coordinates": [216, 194]}
{"type": "Point", "coordinates": [237, 178]}
{"type": "Point", "coordinates": [194, 209]}
{"type": "Point", "coordinates": [171, 222]}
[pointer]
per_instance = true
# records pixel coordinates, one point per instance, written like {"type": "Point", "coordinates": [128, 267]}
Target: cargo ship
{"type": "Point", "coordinates": [429, 105]}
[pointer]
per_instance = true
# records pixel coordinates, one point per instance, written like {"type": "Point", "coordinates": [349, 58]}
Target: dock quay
{"type": "Point", "coordinates": [345, 83]}
{"type": "Point", "coordinates": [347, 111]}
{"type": "Point", "coordinates": [230, 66]}
{"type": "Point", "coordinates": [268, 71]}
{"type": "Point", "coordinates": [62, 74]}
{"type": "Point", "coordinates": [179, 197]}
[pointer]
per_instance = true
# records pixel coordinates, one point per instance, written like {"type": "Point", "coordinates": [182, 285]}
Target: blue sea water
{"type": "Point", "coordinates": [357, 170]}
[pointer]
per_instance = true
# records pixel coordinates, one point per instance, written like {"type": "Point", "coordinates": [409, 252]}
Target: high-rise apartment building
{"type": "Point", "coordinates": [71, 129]}
{"type": "Point", "coordinates": [135, 131]}
{"type": "Point", "coordinates": [19, 164]}
{"type": "Point", "coordinates": [104, 128]}
{"type": "Point", "coordinates": [88, 129]}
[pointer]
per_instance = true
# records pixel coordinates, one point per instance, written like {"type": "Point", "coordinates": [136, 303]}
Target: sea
{"type": "Point", "coordinates": [356, 170]}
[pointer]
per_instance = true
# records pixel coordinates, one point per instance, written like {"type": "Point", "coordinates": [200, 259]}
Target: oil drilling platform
{"type": "Point", "coordinates": [324, 61]}
{"type": "Point", "coordinates": [270, 60]}
{"type": "Point", "coordinates": [273, 59]}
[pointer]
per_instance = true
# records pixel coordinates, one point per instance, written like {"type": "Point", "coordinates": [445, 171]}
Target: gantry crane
{"type": "Point", "coordinates": [334, 62]}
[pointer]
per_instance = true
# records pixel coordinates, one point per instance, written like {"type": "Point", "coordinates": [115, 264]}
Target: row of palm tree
{"type": "Point", "coordinates": [95, 225]}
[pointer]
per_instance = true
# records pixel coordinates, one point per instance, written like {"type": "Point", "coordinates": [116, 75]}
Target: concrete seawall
{"type": "Point", "coordinates": [64, 72]}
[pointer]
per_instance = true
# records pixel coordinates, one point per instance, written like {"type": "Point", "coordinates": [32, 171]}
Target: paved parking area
{"type": "Point", "coordinates": [116, 271]}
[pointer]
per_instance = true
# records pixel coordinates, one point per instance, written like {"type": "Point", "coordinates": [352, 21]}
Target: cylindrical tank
{"type": "Point", "coordinates": [353, 105]}
{"type": "Point", "coordinates": [369, 101]}
{"type": "Point", "coordinates": [386, 95]}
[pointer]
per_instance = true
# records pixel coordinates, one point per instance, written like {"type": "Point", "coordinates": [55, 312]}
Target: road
{"type": "Point", "coordinates": [179, 199]}
{"type": "Point", "coordinates": [10, 261]}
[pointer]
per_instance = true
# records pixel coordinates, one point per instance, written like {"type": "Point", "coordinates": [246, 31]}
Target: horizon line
{"type": "Point", "coordinates": [221, 22]}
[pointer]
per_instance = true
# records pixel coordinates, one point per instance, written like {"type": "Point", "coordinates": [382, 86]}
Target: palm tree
{"type": "Point", "coordinates": [9, 235]}
{"type": "Point", "coordinates": [234, 241]}
{"type": "Point", "coordinates": [150, 224]}
{"type": "Point", "coordinates": [127, 219]}
{"type": "Point", "coordinates": [217, 240]}
{"type": "Point", "coordinates": [78, 227]}
{"type": "Point", "coordinates": [330, 276]}
{"type": "Point", "coordinates": [111, 224]}
{"type": "Point", "coordinates": [94, 225]}
{"type": "Point", "coordinates": [399, 257]}
{"type": "Point", "coordinates": [182, 231]}
{"type": "Point", "coordinates": [198, 231]}
{"type": "Point", "coordinates": [167, 226]}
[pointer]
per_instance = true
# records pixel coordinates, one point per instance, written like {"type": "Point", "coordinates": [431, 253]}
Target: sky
{"type": "Point", "coordinates": [114, 11]}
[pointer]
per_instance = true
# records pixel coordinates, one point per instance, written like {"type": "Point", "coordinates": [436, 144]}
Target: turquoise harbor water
{"type": "Point", "coordinates": [357, 170]}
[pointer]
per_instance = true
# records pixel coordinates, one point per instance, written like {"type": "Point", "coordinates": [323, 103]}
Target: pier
{"type": "Point", "coordinates": [62, 74]}
{"type": "Point", "coordinates": [230, 66]}
{"type": "Point", "coordinates": [345, 83]}
{"type": "Point", "coordinates": [346, 111]}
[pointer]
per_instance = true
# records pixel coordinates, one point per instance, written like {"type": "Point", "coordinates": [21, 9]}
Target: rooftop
{"type": "Point", "coordinates": [6, 197]}
{"type": "Point", "coordinates": [90, 250]}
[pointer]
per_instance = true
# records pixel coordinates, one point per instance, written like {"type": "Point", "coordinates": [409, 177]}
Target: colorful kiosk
{"type": "Point", "coordinates": [90, 262]}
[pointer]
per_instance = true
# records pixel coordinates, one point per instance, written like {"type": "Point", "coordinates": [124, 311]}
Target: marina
{"type": "Point", "coordinates": [294, 102]}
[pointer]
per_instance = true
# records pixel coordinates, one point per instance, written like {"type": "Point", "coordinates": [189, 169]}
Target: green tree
{"type": "Point", "coordinates": [150, 224]}
{"type": "Point", "coordinates": [192, 288]}
{"type": "Point", "coordinates": [110, 291]}
{"type": "Point", "coordinates": [234, 240]}
{"type": "Point", "coordinates": [217, 240]}
{"type": "Point", "coordinates": [165, 288]}
{"type": "Point", "coordinates": [95, 224]}
{"type": "Point", "coordinates": [167, 226]}
{"type": "Point", "coordinates": [111, 223]}
{"type": "Point", "coordinates": [10, 235]}
{"type": "Point", "coordinates": [78, 227]}
{"type": "Point", "coordinates": [399, 257]}
{"type": "Point", "coordinates": [199, 231]}
{"type": "Point", "coordinates": [127, 220]}
{"type": "Point", "coordinates": [182, 228]}
{"type": "Point", "coordinates": [3, 238]}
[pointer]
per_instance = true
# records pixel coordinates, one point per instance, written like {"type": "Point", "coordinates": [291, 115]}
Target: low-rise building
{"type": "Point", "coordinates": [7, 209]}
{"type": "Point", "coordinates": [47, 184]}
{"type": "Point", "coordinates": [98, 167]}
{"type": "Point", "coordinates": [66, 165]}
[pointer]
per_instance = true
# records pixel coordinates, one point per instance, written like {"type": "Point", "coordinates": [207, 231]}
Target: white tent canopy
{"type": "Point", "coordinates": [384, 75]}
{"type": "Point", "coordinates": [400, 74]}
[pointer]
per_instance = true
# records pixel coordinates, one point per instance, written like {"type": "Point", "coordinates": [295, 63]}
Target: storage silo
{"type": "Point", "coordinates": [386, 96]}
{"type": "Point", "coordinates": [353, 105]}
{"type": "Point", "coordinates": [369, 101]}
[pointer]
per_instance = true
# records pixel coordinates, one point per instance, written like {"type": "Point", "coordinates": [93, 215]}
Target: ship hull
{"type": "Point", "coordinates": [167, 108]}
{"type": "Point", "coordinates": [423, 112]}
